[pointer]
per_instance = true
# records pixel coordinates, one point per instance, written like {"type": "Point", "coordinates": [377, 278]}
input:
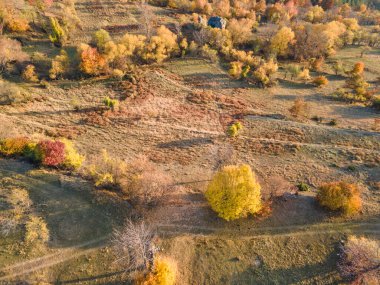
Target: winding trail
{"type": "Point", "coordinates": [26, 267]}
{"type": "Point", "coordinates": [29, 266]}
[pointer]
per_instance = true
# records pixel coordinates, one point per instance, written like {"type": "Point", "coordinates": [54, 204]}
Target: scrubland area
{"type": "Point", "coordinates": [189, 142]}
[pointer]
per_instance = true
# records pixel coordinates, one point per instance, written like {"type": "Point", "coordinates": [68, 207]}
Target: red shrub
{"type": "Point", "coordinates": [41, 3]}
{"type": "Point", "coordinates": [52, 152]}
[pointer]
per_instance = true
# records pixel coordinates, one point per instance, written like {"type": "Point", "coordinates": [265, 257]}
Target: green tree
{"type": "Point", "coordinates": [100, 39]}
{"type": "Point", "coordinates": [338, 67]}
{"type": "Point", "coordinates": [58, 35]}
{"type": "Point", "coordinates": [234, 192]}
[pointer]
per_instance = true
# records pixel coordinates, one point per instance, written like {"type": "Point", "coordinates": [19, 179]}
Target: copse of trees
{"type": "Point", "coordinates": [321, 31]}
{"type": "Point", "coordinates": [234, 192]}
{"type": "Point", "coordinates": [140, 181]}
{"type": "Point", "coordinates": [356, 88]}
{"type": "Point", "coordinates": [106, 56]}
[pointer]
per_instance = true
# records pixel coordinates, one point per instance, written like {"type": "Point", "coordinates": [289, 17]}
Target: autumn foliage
{"type": "Point", "coordinates": [52, 153]}
{"type": "Point", "coordinates": [234, 192]}
{"type": "Point", "coordinates": [92, 62]}
{"type": "Point", "coordinates": [340, 196]}
{"type": "Point", "coordinates": [60, 153]}
{"type": "Point", "coordinates": [162, 273]}
{"type": "Point", "coordinates": [320, 81]}
{"type": "Point", "coordinates": [13, 146]}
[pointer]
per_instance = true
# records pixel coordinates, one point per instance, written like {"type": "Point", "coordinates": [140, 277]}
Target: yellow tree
{"type": "Point", "coordinates": [234, 192]}
{"type": "Point", "coordinates": [163, 273]}
{"type": "Point", "coordinates": [279, 43]}
{"type": "Point", "coordinates": [160, 46]}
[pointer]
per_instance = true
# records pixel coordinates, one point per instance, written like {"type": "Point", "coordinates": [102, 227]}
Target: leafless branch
{"type": "Point", "coordinates": [134, 245]}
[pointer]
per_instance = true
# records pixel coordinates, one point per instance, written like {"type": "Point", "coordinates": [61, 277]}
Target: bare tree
{"type": "Point", "coordinates": [277, 186]}
{"type": "Point", "coordinates": [134, 245]}
{"type": "Point", "coordinates": [201, 36]}
{"type": "Point", "coordinates": [147, 20]}
{"type": "Point", "coordinates": [10, 51]}
{"type": "Point", "coordinates": [145, 183]}
{"type": "Point", "coordinates": [360, 260]}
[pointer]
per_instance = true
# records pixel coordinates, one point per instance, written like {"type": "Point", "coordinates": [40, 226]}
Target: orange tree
{"type": "Point", "coordinates": [340, 196]}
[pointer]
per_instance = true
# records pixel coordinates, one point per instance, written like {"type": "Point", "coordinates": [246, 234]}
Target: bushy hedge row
{"type": "Point", "coordinates": [56, 153]}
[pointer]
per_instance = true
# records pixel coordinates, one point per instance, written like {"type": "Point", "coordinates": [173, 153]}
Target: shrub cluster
{"type": "Point", "coordinates": [320, 81]}
{"type": "Point", "coordinates": [111, 103]}
{"type": "Point", "coordinates": [106, 171]}
{"type": "Point", "coordinates": [140, 181]}
{"type": "Point", "coordinates": [106, 56]}
{"type": "Point", "coordinates": [60, 65]}
{"type": "Point", "coordinates": [59, 153]}
{"type": "Point", "coordinates": [13, 146]}
{"type": "Point", "coordinates": [50, 153]}
{"type": "Point", "coordinates": [299, 109]}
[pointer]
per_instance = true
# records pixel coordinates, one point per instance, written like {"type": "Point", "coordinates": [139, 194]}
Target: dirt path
{"type": "Point", "coordinates": [61, 256]}
{"type": "Point", "coordinates": [29, 266]}
{"type": "Point", "coordinates": [292, 230]}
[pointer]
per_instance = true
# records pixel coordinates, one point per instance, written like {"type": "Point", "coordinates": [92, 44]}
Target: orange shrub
{"type": "Point", "coordinates": [358, 68]}
{"type": "Point", "coordinates": [17, 24]}
{"type": "Point", "coordinates": [320, 81]}
{"type": "Point", "coordinates": [13, 146]}
{"type": "Point", "coordinates": [300, 108]}
{"type": "Point", "coordinates": [340, 196]}
{"type": "Point", "coordinates": [92, 62]}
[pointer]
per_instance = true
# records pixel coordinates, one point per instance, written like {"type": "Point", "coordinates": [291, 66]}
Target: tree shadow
{"type": "Point", "coordinates": [65, 203]}
{"type": "Point", "coordinates": [96, 278]}
{"type": "Point", "coordinates": [60, 112]}
{"type": "Point", "coordinates": [187, 143]}
{"type": "Point", "coordinates": [294, 85]}
{"type": "Point", "coordinates": [208, 80]}
{"type": "Point", "coordinates": [348, 111]}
